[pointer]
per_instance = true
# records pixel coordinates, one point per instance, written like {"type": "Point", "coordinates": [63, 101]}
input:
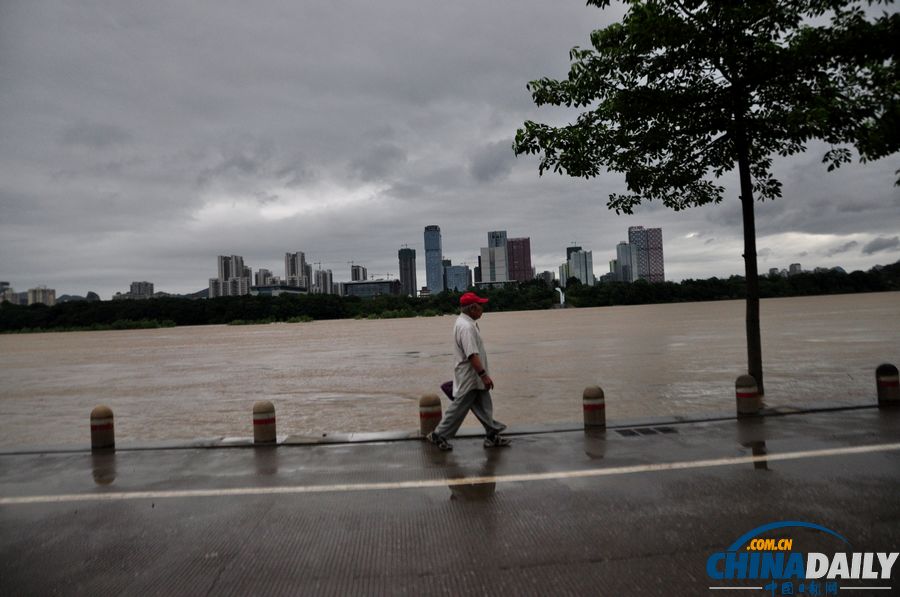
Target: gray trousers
{"type": "Point", "coordinates": [479, 402]}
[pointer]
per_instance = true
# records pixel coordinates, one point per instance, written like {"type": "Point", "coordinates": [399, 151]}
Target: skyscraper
{"type": "Point", "coordinates": [140, 290]}
{"type": "Point", "coordinates": [497, 238]}
{"type": "Point", "coordinates": [563, 274]}
{"type": "Point", "coordinates": [494, 259]}
{"type": "Point", "coordinates": [649, 250]}
{"type": "Point", "coordinates": [570, 250]}
{"type": "Point", "coordinates": [518, 259]}
{"type": "Point", "coordinates": [581, 266]}
{"type": "Point", "coordinates": [234, 277]}
{"type": "Point", "coordinates": [459, 277]}
{"type": "Point", "coordinates": [42, 295]}
{"type": "Point", "coordinates": [434, 271]}
{"type": "Point", "coordinates": [358, 273]}
{"type": "Point", "coordinates": [407, 259]}
{"type": "Point", "coordinates": [324, 282]}
{"type": "Point", "coordinates": [297, 272]}
{"type": "Point", "coordinates": [493, 264]}
{"type": "Point", "coordinates": [263, 277]}
{"type": "Point", "coordinates": [626, 257]}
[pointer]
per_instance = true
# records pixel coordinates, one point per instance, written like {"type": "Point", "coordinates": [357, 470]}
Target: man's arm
{"type": "Point", "coordinates": [475, 361]}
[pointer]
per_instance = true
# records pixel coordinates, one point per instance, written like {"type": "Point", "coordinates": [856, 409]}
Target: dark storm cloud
{"type": "Point", "coordinates": [250, 163]}
{"type": "Point", "coordinates": [492, 161]}
{"type": "Point", "coordinates": [881, 244]}
{"type": "Point", "coordinates": [378, 163]}
{"type": "Point", "coordinates": [142, 139]}
{"type": "Point", "coordinates": [842, 249]}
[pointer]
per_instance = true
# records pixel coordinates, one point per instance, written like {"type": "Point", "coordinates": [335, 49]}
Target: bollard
{"type": "Point", "coordinates": [746, 394]}
{"type": "Point", "coordinates": [264, 422]}
{"type": "Point", "coordinates": [594, 405]}
{"type": "Point", "coordinates": [103, 432]}
{"type": "Point", "coordinates": [888, 382]}
{"type": "Point", "coordinates": [429, 413]}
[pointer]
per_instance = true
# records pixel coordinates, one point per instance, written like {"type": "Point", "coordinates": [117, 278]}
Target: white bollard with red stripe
{"type": "Point", "coordinates": [887, 380]}
{"type": "Point", "coordinates": [746, 393]}
{"type": "Point", "coordinates": [264, 422]}
{"type": "Point", "coordinates": [594, 407]}
{"type": "Point", "coordinates": [103, 430]}
{"type": "Point", "coordinates": [429, 413]}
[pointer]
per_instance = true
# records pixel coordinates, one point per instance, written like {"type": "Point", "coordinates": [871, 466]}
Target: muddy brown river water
{"type": "Point", "coordinates": [361, 375]}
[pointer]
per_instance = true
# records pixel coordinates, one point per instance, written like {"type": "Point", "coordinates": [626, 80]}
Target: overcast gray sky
{"type": "Point", "coordinates": [139, 140]}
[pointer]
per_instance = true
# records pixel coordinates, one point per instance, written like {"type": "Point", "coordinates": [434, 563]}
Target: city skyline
{"type": "Point", "coordinates": [178, 134]}
{"type": "Point", "coordinates": [641, 241]}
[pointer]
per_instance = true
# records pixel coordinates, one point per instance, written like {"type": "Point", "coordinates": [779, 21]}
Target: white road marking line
{"type": "Point", "coordinates": [427, 483]}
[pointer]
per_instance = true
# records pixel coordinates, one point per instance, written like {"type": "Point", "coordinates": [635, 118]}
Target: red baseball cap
{"type": "Point", "coordinates": [470, 298]}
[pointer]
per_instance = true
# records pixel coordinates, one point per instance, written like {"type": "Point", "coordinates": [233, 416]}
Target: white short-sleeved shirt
{"type": "Point", "coordinates": [466, 342]}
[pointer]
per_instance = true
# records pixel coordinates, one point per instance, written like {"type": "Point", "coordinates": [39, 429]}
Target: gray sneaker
{"type": "Point", "coordinates": [439, 442]}
{"type": "Point", "coordinates": [496, 441]}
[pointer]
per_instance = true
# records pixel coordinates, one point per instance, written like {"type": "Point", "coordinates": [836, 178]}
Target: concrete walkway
{"type": "Point", "coordinates": [628, 511]}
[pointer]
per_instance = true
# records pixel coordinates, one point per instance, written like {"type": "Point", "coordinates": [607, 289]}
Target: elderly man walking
{"type": "Point", "coordinates": [472, 382]}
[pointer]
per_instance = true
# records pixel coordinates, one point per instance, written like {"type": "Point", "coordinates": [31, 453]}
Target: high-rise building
{"type": "Point", "coordinates": [518, 256]}
{"type": "Point", "coordinates": [493, 264]}
{"type": "Point", "coordinates": [263, 277]}
{"type": "Point", "coordinates": [794, 269]}
{"type": "Point", "coordinates": [626, 257]}
{"type": "Point", "coordinates": [570, 250]}
{"type": "Point", "coordinates": [563, 274]}
{"type": "Point", "coordinates": [141, 290]}
{"type": "Point", "coordinates": [581, 266]}
{"type": "Point", "coordinates": [230, 267]}
{"type": "Point", "coordinates": [648, 246]}
{"type": "Point", "coordinates": [407, 259]}
{"type": "Point", "coordinates": [8, 294]}
{"type": "Point", "coordinates": [42, 295]}
{"type": "Point", "coordinates": [324, 282]}
{"type": "Point", "coordinates": [297, 272]}
{"type": "Point", "coordinates": [497, 238]}
{"type": "Point", "coordinates": [459, 277]}
{"type": "Point", "coordinates": [434, 271]}
{"type": "Point", "coordinates": [233, 280]}
{"type": "Point", "coordinates": [358, 273]}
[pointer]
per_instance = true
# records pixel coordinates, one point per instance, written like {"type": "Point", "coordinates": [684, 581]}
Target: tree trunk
{"type": "Point", "coordinates": [754, 341]}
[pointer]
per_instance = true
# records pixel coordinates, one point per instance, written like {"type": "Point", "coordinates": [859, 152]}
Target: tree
{"type": "Point", "coordinates": [682, 91]}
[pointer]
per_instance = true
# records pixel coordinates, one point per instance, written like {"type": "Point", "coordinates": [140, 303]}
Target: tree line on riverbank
{"type": "Point", "coordinates": [164, 312]}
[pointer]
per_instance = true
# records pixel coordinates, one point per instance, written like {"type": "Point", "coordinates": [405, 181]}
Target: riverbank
{"type": "Point", "coordinates": [556, 514]}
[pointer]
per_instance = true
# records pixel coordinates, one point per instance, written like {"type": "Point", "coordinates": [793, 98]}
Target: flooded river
{"type": "Point", "coordinates": [361, 375]}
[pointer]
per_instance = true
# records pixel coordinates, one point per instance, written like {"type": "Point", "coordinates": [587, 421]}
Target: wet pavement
{"type": "Point", "coordinates": [630, 511]}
